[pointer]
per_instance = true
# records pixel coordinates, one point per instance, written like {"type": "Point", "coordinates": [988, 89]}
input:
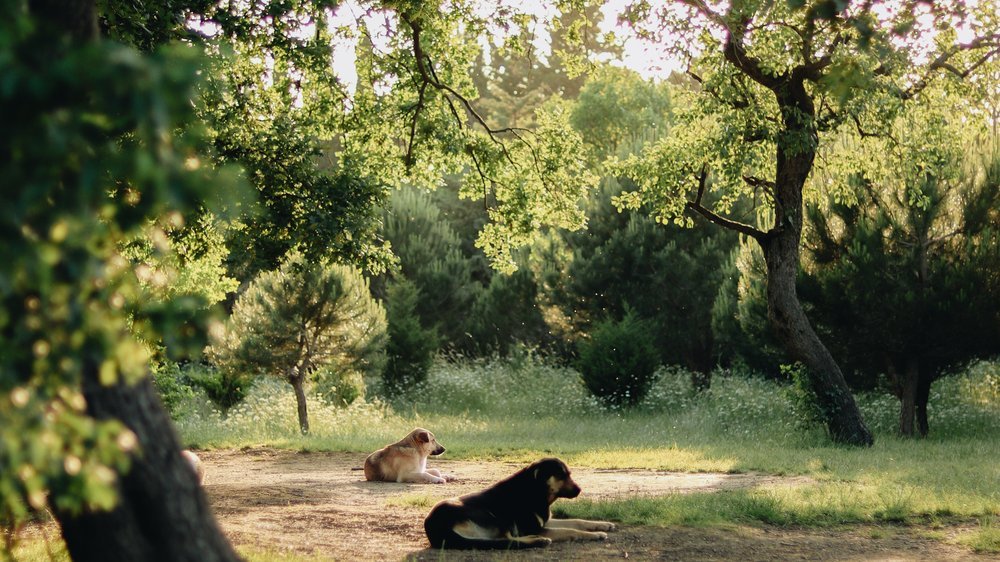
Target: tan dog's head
{"type": "Point", "coordinates": [555, 475]}
{"type": "Point", "coordinates": [425, 442]}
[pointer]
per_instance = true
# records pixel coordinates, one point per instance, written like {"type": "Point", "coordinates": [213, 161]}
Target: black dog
{"type": "Point", "coordinates": [512, 513]}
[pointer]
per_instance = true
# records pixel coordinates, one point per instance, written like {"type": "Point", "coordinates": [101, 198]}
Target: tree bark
{"type": "Point", "coordinates": [794, 158]}
{"type": "Point", "coordinates": [923, 396]}
{"type": "Point", "coordinates": [162, 513]}
{"type": "Point", "coordinates": [75, 18]}
{"type": "Point", "coordinates": [300, 401]}
{"type": "Point", "coordinates": [908, 398]}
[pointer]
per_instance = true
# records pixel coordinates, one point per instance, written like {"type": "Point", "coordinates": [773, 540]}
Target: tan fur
{"type": "Point", "coordinates": [195, 463]}
{"type": "Point", "coordinates": [577, 530]}
{"type": "Point", "coordinates": [406, 460]}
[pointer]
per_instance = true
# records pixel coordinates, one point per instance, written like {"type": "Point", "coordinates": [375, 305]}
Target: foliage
{"type": "Point", "coordinates": [513, 76]}
{"type": "Point", "coordinates": [801, 395]}
{"type": "Point", "coordinates": [617, 110]}
{"type": "Point", "coordinates": [172, 386]}
{"type": "Point", "coordinates": [224, 387]}
{"type": "Point", "coordinates": [411, 347]}
{"type": "Point", "coordinates": [908, 283]}
{"type": "Point", "coordinates": [667, 275]}
{"type": "Point", "coordinates": [340, 387]}
{"type": "Point", "coordinates": [618, 362]}
{"type": "Point", "coordinates": [183, 260]}
{"type": "Point", "coordinates": [300, 318]}
{"type": "Point", "coordinates": [431, 257]}
{"type": "Point", "coordinates": [473, 310]}
{"type": "Point", "coordinates": [739, 315]}
{"type": "Point", "coordinates": [97, 145]}
{"type": "Point", "coordinates": [275, 134]}
{"type": "Point", "coordinates": [904, 286]}
{"type": "Point", "coordinates": [507, 313]}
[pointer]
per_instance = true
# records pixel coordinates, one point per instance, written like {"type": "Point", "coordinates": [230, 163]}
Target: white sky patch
{"type": "Point", "coordinates": [651, 60]}
{"type": "Point", "coordinates": [654, 60]}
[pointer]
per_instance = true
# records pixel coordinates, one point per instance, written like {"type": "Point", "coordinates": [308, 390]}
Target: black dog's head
{"type": "Point", "coordinates": [554, 474]}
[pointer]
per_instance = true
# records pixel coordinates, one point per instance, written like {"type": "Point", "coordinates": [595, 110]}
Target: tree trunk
{"type": "Point", "coordinates": [300, 400]}
{"type": "Point", "coordinates": [842, 416]}
{"type": "Point", "coordinates": [76, 18]}
{"type": "Point", "coordinates": [794, 160]}
{"type": "Point", "coordinates": [923, 396]}
{"type": "Point", "coordinates": [908, 398]}
{"type": "Point", "coordinates": [162, 512]}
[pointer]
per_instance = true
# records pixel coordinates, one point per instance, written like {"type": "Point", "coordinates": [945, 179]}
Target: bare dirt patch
{"type": "Point", "coordinates": [313, 503]}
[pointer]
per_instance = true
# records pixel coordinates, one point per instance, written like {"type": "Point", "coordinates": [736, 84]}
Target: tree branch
{"type": "Point", "coordinates": [942, 62]}
{"type": "Point", "coordinates": [711, 216]}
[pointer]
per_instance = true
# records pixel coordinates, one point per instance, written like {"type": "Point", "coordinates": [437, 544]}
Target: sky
{"type": "Point", "coordinates": [649, 60]}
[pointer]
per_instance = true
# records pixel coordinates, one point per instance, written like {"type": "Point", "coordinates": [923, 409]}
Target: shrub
{"type": "Point", "coordinates": [224, 387]}
{"type": "Point", "coordinates": [619, 361]}
{"type": "Point", "coordinates": [340, 387]}
{"type": "Point", "coordinates": [172, 386]}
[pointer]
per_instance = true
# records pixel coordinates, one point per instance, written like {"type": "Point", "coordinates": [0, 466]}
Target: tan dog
{"type": "Point", "coordinates": [406, 460]}
{"type": "Point", "coordinates": [195, 463]}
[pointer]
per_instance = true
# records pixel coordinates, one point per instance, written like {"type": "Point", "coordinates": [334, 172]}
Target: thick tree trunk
{"type": "Point", "coordinates": [162, 512]}
{"type": "Point", "coordinates": [842, 416]}
{"type": "Point", "coordinates": [76, 18]}
{"type": "Point", "coordinates": [300, 401]}
{"type": "Point", "coordinates": [781, 253]}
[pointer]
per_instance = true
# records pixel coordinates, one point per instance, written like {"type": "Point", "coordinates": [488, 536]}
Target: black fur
{"type": "Point", "coordinates": [515, 507]}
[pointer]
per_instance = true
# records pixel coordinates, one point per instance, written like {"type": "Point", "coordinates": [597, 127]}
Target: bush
{"type": "Point", "coordinates": [619, 361]}
{"type": "Point", "coordinates": [172, 386]}
{"type": "Point", "coordinates": [411, 347]}
{"type": "Point", "coordinates": [224, 387]}
{"type": "Point", "coordinates": [340, 387]}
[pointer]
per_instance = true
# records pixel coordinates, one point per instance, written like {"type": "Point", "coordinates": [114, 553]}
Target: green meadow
{"type": "Point", "coordinates": [522, 409]}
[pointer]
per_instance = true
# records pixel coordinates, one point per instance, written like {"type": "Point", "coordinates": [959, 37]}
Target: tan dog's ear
{"type": "Point", "coordinates": [424, 437]}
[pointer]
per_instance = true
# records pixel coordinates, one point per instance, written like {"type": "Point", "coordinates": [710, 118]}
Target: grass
{"type": "Point", "coordinates": [523, 409]}
{"type": "Point", "coordinates": [986, 538]}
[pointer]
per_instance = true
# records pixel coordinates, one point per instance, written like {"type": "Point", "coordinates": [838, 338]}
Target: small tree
{"type": "Point", "coordinates": [905, 286]}
{"type": "Point", "coordinates": [299, 318]}
{"type": "Point", "coordinates": [411, 347]}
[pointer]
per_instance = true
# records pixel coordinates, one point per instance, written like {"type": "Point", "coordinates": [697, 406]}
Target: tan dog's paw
{"type": "Point", "coordinates": [450, 477]}
{"type": "Point", "coordinates": [607, 526]}
{"type": "Point", "coordinates": [600, 536]}
{"type": "Point", "coordinates": [437, 480]}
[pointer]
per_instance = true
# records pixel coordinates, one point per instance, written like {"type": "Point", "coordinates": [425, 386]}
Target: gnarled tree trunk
{"type": "Point", "coordinates": [794, 158]}
{"type": "Point", "coordinates": [162, 512]}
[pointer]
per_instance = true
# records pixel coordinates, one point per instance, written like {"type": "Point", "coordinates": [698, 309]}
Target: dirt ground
{"type": "Point", "coordinates": [313, 503]}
